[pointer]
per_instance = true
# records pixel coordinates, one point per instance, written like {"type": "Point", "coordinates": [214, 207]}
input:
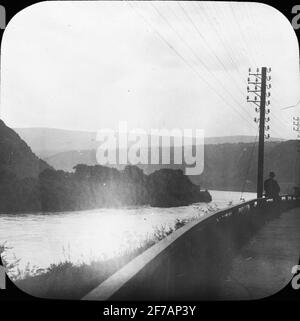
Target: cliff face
{"type": "Point", "coordinates": [19, 172]}
{"type": "Point", "coordinates": [16, 156]}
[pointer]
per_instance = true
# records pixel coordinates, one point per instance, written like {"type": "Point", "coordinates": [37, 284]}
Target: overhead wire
{"type": "Point", "coordinates": [200, 61]}
{"type": "Point", "coordinates": [192, 66]}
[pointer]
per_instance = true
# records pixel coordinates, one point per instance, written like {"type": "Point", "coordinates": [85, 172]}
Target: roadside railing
{"type": "Point", "coordinates": [190, 262]}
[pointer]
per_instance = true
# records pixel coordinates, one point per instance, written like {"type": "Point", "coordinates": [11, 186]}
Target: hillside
{"type": "Point", "coordinates": [234, 166]}
{"type": "Point", "coordinates": [16, 156]}
{"type": "Point", "coordinates": [19, 172]}
{"type": "Point", "coordinates": [229, 166]}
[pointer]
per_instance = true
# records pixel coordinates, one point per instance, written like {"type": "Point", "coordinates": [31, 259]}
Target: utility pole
{"type": "Point", "coordinates": [258, 81]}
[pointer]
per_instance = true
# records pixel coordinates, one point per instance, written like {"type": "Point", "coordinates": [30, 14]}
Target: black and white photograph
{"type": "Point", "coordinates": [150, 151]}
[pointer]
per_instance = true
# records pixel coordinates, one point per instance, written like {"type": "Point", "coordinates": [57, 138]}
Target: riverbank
{"type": "Point", "coordinates": [67, 280]}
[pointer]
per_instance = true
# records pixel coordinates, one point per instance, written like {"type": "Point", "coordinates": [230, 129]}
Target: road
{"type": "Point", "coordinates": [264, 264]}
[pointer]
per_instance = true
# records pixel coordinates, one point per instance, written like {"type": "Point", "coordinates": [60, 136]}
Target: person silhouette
{"type": "Point", "coordinates": [271, 187]}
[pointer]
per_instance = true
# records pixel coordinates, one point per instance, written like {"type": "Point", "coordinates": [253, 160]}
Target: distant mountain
{"type": "Point", "coordinates": [50, 141]}
{"type": "Point", "coordinates": [67, 160]}
{"type": "Point", "coordinates": [16, 156]}
{"type": "Point", "coordinates": [46, 142]}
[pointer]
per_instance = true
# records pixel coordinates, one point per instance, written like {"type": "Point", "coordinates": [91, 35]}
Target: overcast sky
{"type": "Point", "coordinates": [87, 65]}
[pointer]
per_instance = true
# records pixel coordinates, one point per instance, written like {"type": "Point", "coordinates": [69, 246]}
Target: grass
{"type": "Point", "coordinates": [67, 280]}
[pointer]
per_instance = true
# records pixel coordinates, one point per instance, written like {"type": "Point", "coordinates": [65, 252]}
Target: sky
{"type": "Point", "coordinates": [88, 65]}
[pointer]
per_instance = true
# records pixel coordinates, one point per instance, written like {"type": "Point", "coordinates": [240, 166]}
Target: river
{"type": "Point", "coordinates": [81, 236]}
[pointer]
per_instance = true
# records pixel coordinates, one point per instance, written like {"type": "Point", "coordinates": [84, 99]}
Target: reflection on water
{"type": "Point", "coordinates": [42, 239]}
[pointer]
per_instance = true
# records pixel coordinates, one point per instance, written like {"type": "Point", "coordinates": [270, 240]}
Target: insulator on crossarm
{"type": "Point", "coordinates": [269, 86]}
{"type": "Point", "coordinates": [268, 111]}
{"type": "Point", "coordinates": [267, 127]}
{"type": "Point", "coordinates": [255, 98]}
{"type": "Point", "coordinates": [249, 69]}
{"type": "Point", "coordinates": [269, 70]}
{"type": "Point", "coordinates": [269, 94]}
{"type": "Point", "coordinates": [267, 136]}
{"type": "Point", "coordinates": [257, 69]}
{"type": "Point", "coordinates": [248, 79]}
{"type": "Point", "coordinates": [256, 109]}
{"type": "Point", "coordinates": [267, 119]}
{"type": "Point", "coordinates": [247, 98]}
{"type": "Point", "coordinates": [256, 120]}
{"type": "Point", "coordinates": [248, 88]}
{"type": "Point", "coordinates": [269, 78]}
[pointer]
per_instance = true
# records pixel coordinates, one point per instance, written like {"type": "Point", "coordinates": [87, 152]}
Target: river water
{"type": "Point", "coordinates": [42, 239]}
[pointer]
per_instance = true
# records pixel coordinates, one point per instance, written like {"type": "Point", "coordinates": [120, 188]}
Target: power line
{"type": "Point", "coordinates": [292, 106]}
{"type": "Point", "coordinates": [191, 65]}
{"type": "Point", "coordinates": [200, 60]}
{"type": "Point", "coordinates": [280, 121]}
{"type": "Point", "coordinates": [224, 21]}
{"type": "Point", "coordinates": [212, 27]}
{"type": "Point", "coordinates": [208, 45]}
{"type": "Point", "coordinates": [253, 59]}
{"type": "Point", "coordinates": [189, 18]}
